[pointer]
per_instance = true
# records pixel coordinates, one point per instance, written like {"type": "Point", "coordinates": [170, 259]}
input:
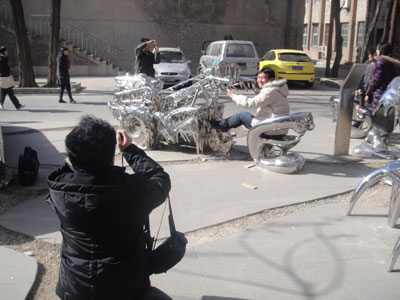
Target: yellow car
{"type": "Point", "coordinates": [293, 65]}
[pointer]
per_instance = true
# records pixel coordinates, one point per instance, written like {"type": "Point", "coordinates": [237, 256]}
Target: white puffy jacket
{"type": "Point", "coordinates": [271, 102]}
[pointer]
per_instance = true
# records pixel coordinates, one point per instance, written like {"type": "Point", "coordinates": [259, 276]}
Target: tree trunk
{"type": "Point", "coordinates": [338, 39]}
{"type": "Point", "coordinates": [26, 75]}
{"type": "Point", "coordinates": [370, 28]}
{"type": "Point", "coordinates": [386, 29]}
{"type": "Point", "coordinates": [54, 42]}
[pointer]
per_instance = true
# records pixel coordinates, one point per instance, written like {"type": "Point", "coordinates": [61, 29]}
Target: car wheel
{"type": "Point", "coordinates": [308, 84]}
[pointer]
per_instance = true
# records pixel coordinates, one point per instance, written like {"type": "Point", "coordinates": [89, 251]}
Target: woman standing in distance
{"type": "Point", "coordinates": [63, 66]}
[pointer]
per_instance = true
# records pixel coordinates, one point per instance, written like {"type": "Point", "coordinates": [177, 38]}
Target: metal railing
{"type": "Point", "coordinates": [39, 26]}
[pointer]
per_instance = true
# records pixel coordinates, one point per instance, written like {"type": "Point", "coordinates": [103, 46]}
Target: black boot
{"type": "Point", "coordinates": [61, 101]}
{"type": "Point", "coordinates": [217, 125]}
{"type": "Point", "coordinates": [72, 101]}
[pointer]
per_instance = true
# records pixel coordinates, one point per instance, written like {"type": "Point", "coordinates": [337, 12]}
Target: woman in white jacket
{"type": "Point", "coordinates": [270, 102]}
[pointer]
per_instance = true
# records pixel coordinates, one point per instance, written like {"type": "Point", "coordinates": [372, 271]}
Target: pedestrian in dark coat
{"type": "Point", "coordinates": [63, 78]}
{"type": "Point", "coordinates": [102, 211]}
{"type": "Point", "coordinates": [145, 59]}
{"type": "Point", "coordinates": [384, 72]}
{"type": "Point", "coordinates": [5, 71]}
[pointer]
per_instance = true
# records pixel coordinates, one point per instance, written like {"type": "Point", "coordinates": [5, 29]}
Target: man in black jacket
{"type": "Point", "coordinates": [102, 211]}
{"type": "Point", "coordinates": [5, 71]}
{"type": "Point", "coordinates": [145, 59]}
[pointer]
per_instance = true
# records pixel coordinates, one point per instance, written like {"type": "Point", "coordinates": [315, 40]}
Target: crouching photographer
{"type": "Point", "coordinates": [102, 211]}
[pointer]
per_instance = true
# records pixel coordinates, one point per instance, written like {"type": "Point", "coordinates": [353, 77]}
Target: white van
{"type": "Point", "coordinates": [242, 53]}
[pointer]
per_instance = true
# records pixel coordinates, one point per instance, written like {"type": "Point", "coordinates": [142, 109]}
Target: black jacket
{"type": "Point", "coordinates": [102, 216]}
{"type": "Point", "coordinates": [5, 70]}
{"type": "Point", "coordinates": [144, 60]}
{"type": "Point", "coordinates": [63, 69]}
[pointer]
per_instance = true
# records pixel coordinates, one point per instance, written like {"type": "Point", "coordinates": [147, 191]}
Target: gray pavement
{"type": "Point", "coordinates": [314, 254]}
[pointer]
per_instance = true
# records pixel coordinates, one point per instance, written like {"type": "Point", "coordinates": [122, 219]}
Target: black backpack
{"type": "Point", "coordinates": [28, 167]}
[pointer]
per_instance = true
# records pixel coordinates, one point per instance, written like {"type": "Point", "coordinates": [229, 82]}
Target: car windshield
{"type": "Point", "coordinates": [172, 57]}
{"type": "Point", "coordinates": [240, 50]}
{"type": "Point", "coordinates": [295, 57]}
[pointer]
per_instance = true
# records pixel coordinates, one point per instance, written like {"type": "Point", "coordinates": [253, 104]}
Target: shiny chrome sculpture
{"type": "Point", "coordinates": [384, 119]}
{"type": "Point", "coordinates": [394, 256]}
{"type": "Point", "coordinates": [361, 117]}
{"type": "Point", "coordinates": [390, 173]}
{"type": "Point", "coordinates": [273, 154]}
{"type": "Point", "coordinates": [153, 116]}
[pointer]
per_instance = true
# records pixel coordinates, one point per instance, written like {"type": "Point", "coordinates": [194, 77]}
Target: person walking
{"type": "Point", "coordinates": [63, 78]}
{"type": "Point", "coordinates": [145, 59]}
{"type": "Point", "coordinates": [7, 81]}
{"type": "Point", "coordinates": [102, 211]}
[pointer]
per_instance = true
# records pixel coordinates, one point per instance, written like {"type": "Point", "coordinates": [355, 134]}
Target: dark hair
{"type": "Point", "coordinates": [91, 145]}
{"type": "Point", "coordinates": [371, 50]}
{"type": "Point", "coordinates": [62, 49]}
{"type": "Point", "coordinates": [268, 71]}
{"type": "Point", "coordinates": [385, 49]}
{"type": "Point", "coordinates": [144, 40]}
{"type": "Point", "coordinates": [3, 49]}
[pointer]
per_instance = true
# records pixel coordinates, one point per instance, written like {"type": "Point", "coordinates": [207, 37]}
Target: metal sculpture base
{"type": "Point", "coordinates": [377, 146]}
{"type": "Point", "coordinates": [289, 163]}
{"type": "Point", "coordinates": [273, 154]}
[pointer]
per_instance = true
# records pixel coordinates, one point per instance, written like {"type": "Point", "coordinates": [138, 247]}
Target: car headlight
{"type": "Point", "coordinates": [184, 72]}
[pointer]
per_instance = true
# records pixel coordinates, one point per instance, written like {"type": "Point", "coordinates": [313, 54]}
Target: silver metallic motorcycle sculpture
{"type": "Point", "coordinates": [153, 116]}
{"type": "Point", "coordinates": [273, 154]}
{"type": "Point", "coordinates": [384, 120]}
{"type": "Point", "coordinates": [390, 173]}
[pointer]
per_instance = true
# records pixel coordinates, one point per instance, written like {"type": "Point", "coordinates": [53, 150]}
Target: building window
{"type": "Point", "coordinates": [305, 35]}
{"type": "Point", "coordinates": [345, 33]}
{"type": "Point", "coordinates": [307, 2]}
{"type": "Point", "coordinates": [360, 34]}
{"type": "Point", "coordinates": [314, 35]}
{"type": "Point", "coordinates": [326, 34]}
{"type": "Point", "coordinates": [317, 1]}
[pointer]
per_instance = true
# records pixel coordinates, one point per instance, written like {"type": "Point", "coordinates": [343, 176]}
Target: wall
{"type": "Point", "coordinates": [184, 23]}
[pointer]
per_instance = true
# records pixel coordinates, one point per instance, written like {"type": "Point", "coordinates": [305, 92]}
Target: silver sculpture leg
{"type": "Point", "coordinates": [388, 171]}
{"type": "Point", "coordinates": [394, 256]}
{"type": "Point", "coordinates": [273, 154]}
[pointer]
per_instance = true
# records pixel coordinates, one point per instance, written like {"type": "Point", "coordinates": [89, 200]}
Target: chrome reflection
{"type": "Point", "coordinates": [384, 120]}
{"type": "Point", "coordinates": [153, 116]}
{"type": "Point", "coordinates": [273, 154]}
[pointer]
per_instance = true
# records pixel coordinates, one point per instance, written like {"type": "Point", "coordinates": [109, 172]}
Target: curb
{"type": "Point", "coordinates": [75, 88]}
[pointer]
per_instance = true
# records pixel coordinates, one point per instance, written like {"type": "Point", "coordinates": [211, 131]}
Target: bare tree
{"type": "Point", "coordinates": [26, 75]}
{"type": "Point", "coordinates": [373, 9]}
{"type": "Point", "coordinates": [386, 29]}
{"type": "Point", "coordinates": [338, 38]}
{"type": "Point", "coordinates": [54, 42]}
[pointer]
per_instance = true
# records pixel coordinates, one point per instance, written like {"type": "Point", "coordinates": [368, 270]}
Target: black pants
{"type": "Point", "coordinates": [10, 93]}
{"type": "Point", "coordinates": [68, 87]}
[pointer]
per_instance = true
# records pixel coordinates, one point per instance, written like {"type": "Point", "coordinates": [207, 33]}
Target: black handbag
{"type": "Point", "coordinates": [169, 252]}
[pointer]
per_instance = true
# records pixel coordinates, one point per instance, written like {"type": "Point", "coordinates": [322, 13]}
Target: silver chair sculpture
{"type": "Point", "coordinates": [273, 154]}
{"type": "Point", "coordinates": [394, 256]}
{"type": "Point", "coordinates": [390, 172]}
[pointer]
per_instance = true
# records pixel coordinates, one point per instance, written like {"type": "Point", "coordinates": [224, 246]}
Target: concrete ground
{"type": "Point", "coordinates": [317, 253]}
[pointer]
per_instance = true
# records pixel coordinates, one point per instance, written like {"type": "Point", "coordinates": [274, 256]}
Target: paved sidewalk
{"type": "Point", "coordinates": [313, 254]}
